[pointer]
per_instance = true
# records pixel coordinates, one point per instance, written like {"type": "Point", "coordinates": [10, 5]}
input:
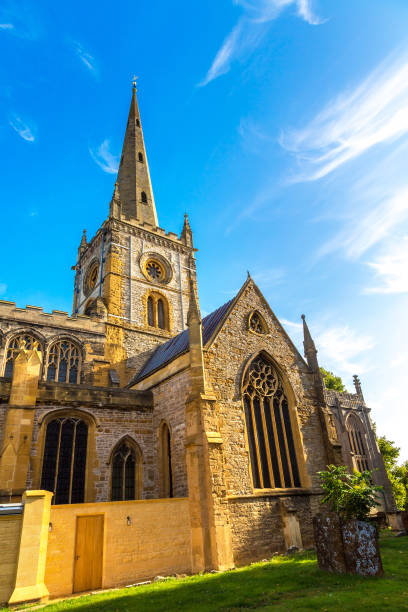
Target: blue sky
{"type": "Point", "coordinates": [281, 126]}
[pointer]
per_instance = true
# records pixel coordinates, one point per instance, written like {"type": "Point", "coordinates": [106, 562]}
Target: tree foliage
{"type": "Point", "coordinates": [351, 496]}
{"type": "Point", "coordinates": [331, 381]}
{"type": "Point", "coordinates": [397, 474]}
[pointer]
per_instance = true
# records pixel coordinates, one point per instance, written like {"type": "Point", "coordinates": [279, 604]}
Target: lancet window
{"type": "Point", "coordinates": [166, 471]}
{"type": "Point", "coordinates": [270, 435]}
{"type": "Point", "coordinates": [144, 197]}
{"type": "Point", "coordinates": [64, 462]}
{"type": "Point", "coordinates": [157, 311]}
{"type": "Point", "coordinates": [140, 157]}
{"type": "Point", "coordinates": [14, 347]}
{"type": "Point", "coordinates": [126, 473]}
{"type": "Point", "coordinates": [63, 362]}
{"type": "Point", "coordinates": [357, 444]}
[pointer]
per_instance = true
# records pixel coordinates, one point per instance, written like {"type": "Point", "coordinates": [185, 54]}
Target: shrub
{"type": "Point", "coordinates": [351, 496]}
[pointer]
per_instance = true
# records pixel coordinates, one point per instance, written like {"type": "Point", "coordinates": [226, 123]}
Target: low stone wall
{"type": "Point", "coordinates": [260, 525]}
{"type": "Point", "coordinates": [141, 539]}
{"type": "Point", "coordinates": [10, 529]}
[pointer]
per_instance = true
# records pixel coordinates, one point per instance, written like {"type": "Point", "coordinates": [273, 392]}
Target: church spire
{"type": "Point", "coordinates": [309, 348]}
{"type": "Point", "coordinates": [133, 182]}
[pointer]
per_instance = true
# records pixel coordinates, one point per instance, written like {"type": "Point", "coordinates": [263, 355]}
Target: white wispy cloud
{"type": "Point", "coordinates": [86, 58]}
{"type": "Point", "coordinates": [251, 28]}
{"type": "Point", "coordinates": [104, 158]}
{"type": "Point", "coordinates": [368, 222]}
{"type": "Point", "coordinates": [340, 348]}
{"type": "Point", "coordinates": [22, 128]}
{"type": "Point", "coordinates": [270, 277]}
{"type": "Point", "coordinates": [374, 112]}
{"type": "Point", "coordinates": [391, 269]}
{"type": "Point", "coordinates": [6, 26]}
{"type": "Point", "coordinates": [3, 288]}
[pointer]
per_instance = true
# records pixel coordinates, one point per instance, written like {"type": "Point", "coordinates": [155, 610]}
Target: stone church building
{"type": "Point", "coordinates": [135, 396]}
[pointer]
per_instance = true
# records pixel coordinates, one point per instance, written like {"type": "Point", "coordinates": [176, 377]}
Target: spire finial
{"type": "Point", "coordinates": [135, 81]}
{"type": "Point", "coordinates": [357, 385]}
{"type": "Point", "coordinates": [309, 347]}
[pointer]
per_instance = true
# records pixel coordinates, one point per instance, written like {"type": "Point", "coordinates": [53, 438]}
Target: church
{"type": "Point", "coordinates": [135, 396]}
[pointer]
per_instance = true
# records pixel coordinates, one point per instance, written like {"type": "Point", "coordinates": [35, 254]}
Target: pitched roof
{"type": "Point", "coordinates": [178, 345]}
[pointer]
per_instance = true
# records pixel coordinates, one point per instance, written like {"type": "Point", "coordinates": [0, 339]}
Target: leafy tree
{"type": "Point", "coordinates": [331, 381]}
{"type": "Point", "coordinates": [397, 474]}
{"type": "Point", "coordinates": [351, 496]}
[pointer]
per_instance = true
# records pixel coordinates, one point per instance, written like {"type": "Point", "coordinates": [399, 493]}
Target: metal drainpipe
{"type": "Point", "coordinates": [181, 293]}
{"type": "Point", "coordinates": [102, 262]}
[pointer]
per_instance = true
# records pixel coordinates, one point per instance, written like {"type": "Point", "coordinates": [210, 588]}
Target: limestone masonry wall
{"type": "Point", "coordinates": [157, 541]}
{"type": "Point", "coordinates": [255, 519]}
{"type": "Point", "coordinates": [169, 406]}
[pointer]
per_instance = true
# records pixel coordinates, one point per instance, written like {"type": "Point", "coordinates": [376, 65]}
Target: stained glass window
{"type": "Point", "coordinates": [357, 444]}
{"type": "Point", "coordinates": [124, 463]}
{"type": "Point", "coordinates": [14, 348]}
{"type": "Point", "coordinates": [63, 362]}
{"type": "Point", "coordinates": [64, 462]}
{"type": "Point", "coordinates": [270, 437]}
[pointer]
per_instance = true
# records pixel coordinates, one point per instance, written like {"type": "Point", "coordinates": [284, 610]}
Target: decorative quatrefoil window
{"type": "Point", "coordinates": [256, 323]}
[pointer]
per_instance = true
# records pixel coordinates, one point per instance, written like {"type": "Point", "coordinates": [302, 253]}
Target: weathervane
{"type": "Point", "coordinates": [134, 80]}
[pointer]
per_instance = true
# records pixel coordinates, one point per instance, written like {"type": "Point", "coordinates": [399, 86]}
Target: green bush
{"type": "Point", "coordinates": [351, 496]}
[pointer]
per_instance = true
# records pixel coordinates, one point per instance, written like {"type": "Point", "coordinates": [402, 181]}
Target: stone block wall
{"type": "Point", "coordinates": [169, 406]}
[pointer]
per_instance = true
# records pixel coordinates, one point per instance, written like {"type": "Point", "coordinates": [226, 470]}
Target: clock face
{"type": "Point", "coordinates": [91, 278]}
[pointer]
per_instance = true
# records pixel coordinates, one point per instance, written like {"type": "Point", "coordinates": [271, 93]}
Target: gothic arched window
{"type": "Point", "coordinates": [270, 436]}
{"type": "Point", "coordinates": [356, 437]}
{"type": "Point", "coordinates": [137, 122]}
{"type": "Point", "coordinates": [157, 311]}
{"type": "Point", "coordinates": [144, 197]}
{"type": "Point", "coordinates": [64, 462]}
{"type": "Point", "coordinates": [126, 473]}
{"type": "Point", "coordinates": [63, 362]}
{"type": "Point", "coordinates": [14, 348]}
{"type": "Point", "coordinates": [166, 471]}
{"type": "Point", "coordinates": [160, 314]}
{"type": "Point", "coordinates": [150, 315]}
{"type": "Point", "coordinates": [140, 157]}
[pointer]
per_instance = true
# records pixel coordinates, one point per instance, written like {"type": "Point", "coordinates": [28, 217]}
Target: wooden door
{"type": "Point", "coordinates": [88, 553]}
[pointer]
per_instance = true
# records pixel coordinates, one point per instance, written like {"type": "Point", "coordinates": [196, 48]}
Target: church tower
{"type": "Point", "coordinates": [133, 274]}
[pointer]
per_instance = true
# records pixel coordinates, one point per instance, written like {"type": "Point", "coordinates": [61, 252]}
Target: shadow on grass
{"type": "Point", "coordinates": [293, 583]}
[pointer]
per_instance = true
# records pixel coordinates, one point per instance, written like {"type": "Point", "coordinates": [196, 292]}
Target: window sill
{"type": "Point", "coordinates": [275, 493]}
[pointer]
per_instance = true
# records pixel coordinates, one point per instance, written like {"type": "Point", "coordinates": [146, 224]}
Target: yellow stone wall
{"type": "Point", "coordinates": [10, 528]}
{"type": "Point", "coordinates": [156, 543]}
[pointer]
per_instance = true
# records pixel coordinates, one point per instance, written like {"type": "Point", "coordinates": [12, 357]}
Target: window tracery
{"type": "Point", "coordinates": [15, 345]}
{"type": "Point", "coordinates": [63, 362]}
{"type": "Point", "coordinates": [256, 323]}
{"type": "Point", "coordinates": [64, 460]}
{"type": "Point", "coordinates": [125, 481]}
{"type": "Point", "coordinates": [357, 445]}
{"type": "Point", "coordinates": [155, 270]}
{"type": "Point", "coordinates": [270, 437]}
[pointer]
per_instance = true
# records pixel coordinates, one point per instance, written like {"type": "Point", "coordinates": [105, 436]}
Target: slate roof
{"type": "Point", "coordinates": [178, 345]}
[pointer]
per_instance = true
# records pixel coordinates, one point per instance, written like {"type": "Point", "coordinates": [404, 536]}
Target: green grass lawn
{"type": "Point", "coordinates": [284, 583]}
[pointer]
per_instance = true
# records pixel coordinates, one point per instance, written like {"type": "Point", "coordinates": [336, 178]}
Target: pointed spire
{"type": "Point", "coordinates": [83, 243]}
{"type": "Point", "coordinates": [309, 348]}
{"type": "Point", "coordinates": [193, 314]}
{"type": "Point", "coordinates": [187, 234]}
{"type": "Point", "coordinates": [357, 386]}
{"type": "Point", "coordinates": [133, 182]}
